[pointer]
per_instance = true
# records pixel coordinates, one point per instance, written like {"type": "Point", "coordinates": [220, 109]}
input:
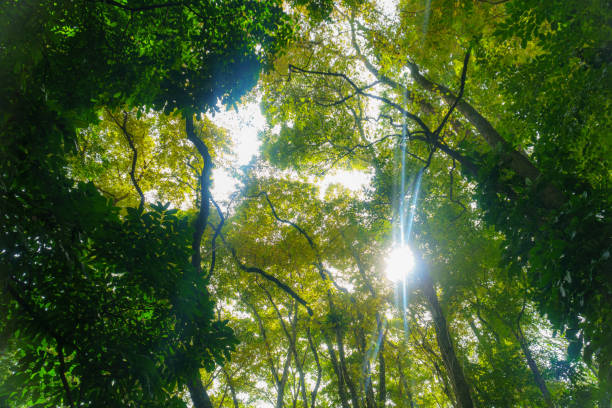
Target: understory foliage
{"type": "Point", "coordinates": [124, 282]}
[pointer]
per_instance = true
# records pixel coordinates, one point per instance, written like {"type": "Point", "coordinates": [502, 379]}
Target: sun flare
{"type": "Point", "coordinates": [400, 262]}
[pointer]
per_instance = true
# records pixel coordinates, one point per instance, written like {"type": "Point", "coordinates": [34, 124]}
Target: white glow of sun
{"type": "Point", "coordinates": [400, 262]}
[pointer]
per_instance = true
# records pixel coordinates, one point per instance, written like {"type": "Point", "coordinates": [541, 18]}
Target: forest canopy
{"type": "Point", "coordinates": [484, 128]}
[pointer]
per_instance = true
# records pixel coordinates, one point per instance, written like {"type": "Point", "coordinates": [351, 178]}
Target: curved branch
{"type": "Point", "coordinates": [323, 272]}
{"type": "Point", "coordinates": [202, 219]}
{"type": "Point", "coordinates": [466, 60]}
{"type": "Point", "coordinates": [130, 140]}
{"type": "Point", "coordinates": [253, 269]}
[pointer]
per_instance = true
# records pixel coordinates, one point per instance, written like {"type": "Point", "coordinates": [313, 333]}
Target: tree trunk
{"type": "Point", "coordinates": [382, 368]}
{"type": "Point", "coordinates": [403, 382]}
{"type": "Point", "coordinates": [197, 392]}
{"type": "Point", "coordinates": [313, 394]}
{"type": "Point", "coordinates": [232, 389]}
{"type": "Point", "coordinates": [339, 374]}
{"type": "Point", "coordinates": [537, 376]}
{"type": "Point", "coordinates": [605, 382]}
{"type": "Point", "coordinates": [549, 195]}
{"type": "Point", "coordinates": [449, 358]}
{"type": "Point", "coordinates": [280, 389]}
{"type": "Point", "coordinates": [344, 368]}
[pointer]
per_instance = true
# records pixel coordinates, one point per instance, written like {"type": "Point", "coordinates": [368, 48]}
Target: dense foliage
{"type": "Point", "coordinates": [123, 282]}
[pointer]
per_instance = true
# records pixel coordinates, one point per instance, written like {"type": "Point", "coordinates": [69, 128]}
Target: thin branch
{"type": "Point", "coordinates": [123, 126]}
{"type": "Point", "coordinates": [422, 125]}
{"type": "Point", "coordinates": [347, 97]}
{"type": "Point", "coordinates": [323, 272]}
{"type": "Point", "coordinates": [311, 243]}
{"type": "Point", "coordinates": [271, 278]}
{"type": "Point", "coordinates": [466, 60]}
{"type": "Point", "coordinates": [313, 394]}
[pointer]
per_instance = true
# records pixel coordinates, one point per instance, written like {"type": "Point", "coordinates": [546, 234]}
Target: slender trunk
{"type": "Point", "coordinates": [537, 376]}
{"type": "Point", "coordinates": [449, 358]}
{"type": "Point", "coordinates": [197, 391]}
{"type": "Point", "coordinates": [280, 394]}
{"type": "Point", "coordinates": [339, 374]}
{"type": "Point", "coordinates": [198, 394]}
{"type": "Point", "coordinates": [403, 383]}
{"type": "Point", "coordinates": [313, 394]}
{"type": "Point", "coordinates": [232, 389]}
{"type": "Point", "coordinates": [604, 375]}
{"type": "Point", "coordinates": [382, 375]}
{"type": "Point", "coordinates": [262, 331]}
{"type": "Point", "coordinates": [291, 337]}
{"type": "Point", "coordinates": [369, 391]}
{"type": "Point", "coordinates": [344, 367]}
{"type": "Point", "coordinates": [367, 368]}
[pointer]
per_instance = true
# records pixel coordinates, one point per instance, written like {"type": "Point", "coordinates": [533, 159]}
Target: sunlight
{"type": "Point", "coordinates": [400, 262]}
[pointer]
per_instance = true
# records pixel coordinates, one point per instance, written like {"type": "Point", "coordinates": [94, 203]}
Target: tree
{"type": "Point", "coordinates": [533, 200]}
{"type": "Point", "coordinates": [63, 246]}
{"type": "Point", "coordinates": [113, 300]}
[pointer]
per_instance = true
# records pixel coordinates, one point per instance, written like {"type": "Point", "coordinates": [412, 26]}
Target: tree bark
{"type": "Point", "coordinates": [205, 181]}
{"type": "Point", "coordinates": [382, 374]}
{"type": "Point", "coordinates": [198, 394]}
{"type": "Point", "coordinates": [403, 382]}
{"type": "Point", "coordinates": [347, 379]}
{"type": "Point", "coordinates": [449, 358]}
{"type": "Point", "coordinates": [197, 391]}
{"type": "Point", "coordinates": [313, 394]}
{"type": "Point", "coordinates": [537, 376]}
{"type": "Point", "coordinates": [604, 375]}
{"type": "Point", "coordinates": [232, 389]}
{"type": "Point", "coordinates": [339, 374]}
{"type": "Point", "coordinates": [549, 195]}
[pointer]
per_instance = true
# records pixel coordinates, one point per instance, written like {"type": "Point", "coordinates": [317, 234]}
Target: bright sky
{"type": "Point", "coordinates": [243, 126]}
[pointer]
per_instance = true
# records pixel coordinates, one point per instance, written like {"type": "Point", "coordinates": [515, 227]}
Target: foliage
{"type": "Point", "coordinates": [502, 106]}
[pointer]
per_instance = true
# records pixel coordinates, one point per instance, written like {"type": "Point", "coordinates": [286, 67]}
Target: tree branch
{"type": "Point", "coordinates": [214, 238]}
{"type": "Point", "coordinates": [271, 278]}
{"type": "Point", "coordinates": [422, 125]}
{"type": "Point", "coordinates": [202, 219]}
{"type": "Point", "coordinates": [461, 89]}
{"type": "Point", "coordinates": [130, 140]}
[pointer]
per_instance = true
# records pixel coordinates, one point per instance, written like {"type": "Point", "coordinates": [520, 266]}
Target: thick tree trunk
{"type": "Point", "coordinates": [197, 391]}
{"type": "Point", "coordinates": [449, 358]}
